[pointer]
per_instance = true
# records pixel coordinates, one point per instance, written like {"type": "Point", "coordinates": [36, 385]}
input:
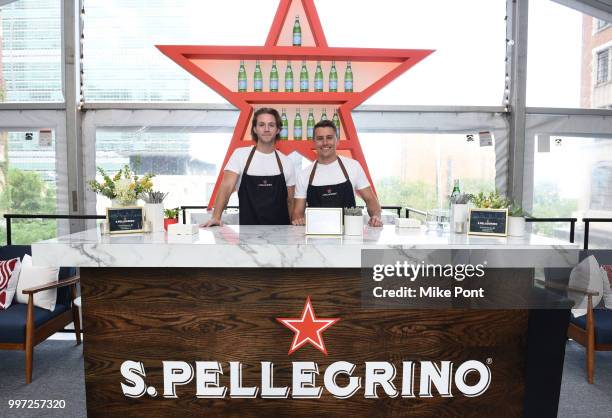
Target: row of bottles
{"type": "Point", "coordinates": [298, 131]}
{"type": "Point", "coordinates": [304, 78]}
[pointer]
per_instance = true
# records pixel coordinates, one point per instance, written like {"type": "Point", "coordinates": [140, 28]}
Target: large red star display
{"type": "Point", "coordinates": [308, 328]}
{"type": "Point", "coordinates": [217, 67]}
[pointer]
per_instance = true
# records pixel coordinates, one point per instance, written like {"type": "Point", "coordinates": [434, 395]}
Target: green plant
{"type": "Point", "coordinates": [27, 193]}
{"type": "Point", "coordinates": [124, 185]}
{"type": "Point", "coordinates": [171, 213]}
{"type": "Point", "coordinates": [517, 211]}
{"type": "Point", "coordinates": [493, 200]}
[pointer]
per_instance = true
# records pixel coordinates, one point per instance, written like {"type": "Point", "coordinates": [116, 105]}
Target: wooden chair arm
{"type": "Point", "coordinates": [51, 285]}
{"type": "Point", "coordinates": [559, 286]}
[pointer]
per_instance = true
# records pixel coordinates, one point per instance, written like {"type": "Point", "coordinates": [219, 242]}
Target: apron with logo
{"type": "Point", "coordinates": [263, 199]}
{"type": "Point", "coordinates": [331, 196]}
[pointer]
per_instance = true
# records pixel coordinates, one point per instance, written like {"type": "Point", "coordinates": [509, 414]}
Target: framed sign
{"type": "Point", "coordinates": [125, 220]}
{"type": "Point", "coordinates": [488, 222]}
{"type": "Point", "coordinates": [323, 221]}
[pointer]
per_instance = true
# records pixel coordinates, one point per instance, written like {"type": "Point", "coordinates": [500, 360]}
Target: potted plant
{"type": "Point", "coordinates": [154, 210]}
{"type": "Point", "coordinates": [516, 220]}
{"type": "Point", "coordinates": [124, 188]}
{"type": "Point", "coordinates": [170, 217]}
{"type": "Point", "coordinates": [493, 200]}
{"type": "Point", "coordinates": [353, 221]}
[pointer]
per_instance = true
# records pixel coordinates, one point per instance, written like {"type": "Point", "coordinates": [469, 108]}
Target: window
{"type": "Point", "coordinates": [574, 179]}
{"type": "Point", "coordinates": [31, 51]}
{"type": "Point", "coordinates": [562, 59]}
{"type": "Point", "coordinates": [601, 187]}
{"type": "Point", "coordinates": [601, 25]}
{"type": "Point", "coordinates": [602, 66]}
{"type": "Point", "coordinates": [28, 184]}
{"type": "Point", "coordinates": [185, 163]}
{"type": "Point", "coordinates": [122, 64]}
{"type": "Point", "coordinates": [422, 167]}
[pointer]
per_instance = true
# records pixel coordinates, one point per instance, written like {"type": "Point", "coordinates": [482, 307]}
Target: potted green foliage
{"type": "Point", "coordinates": [516, 220]}
{"type": "Point", "coordinates": [492, 200]}
{"type": "Point", "coordinates": [124, 188]}
{"type": "Point", "coordinates": [170, 217]}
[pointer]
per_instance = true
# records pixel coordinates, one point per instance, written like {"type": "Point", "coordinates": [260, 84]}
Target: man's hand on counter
{"type": "Point", "coordinates": [212, 222]}
{"type": "Point", "coordinates": [299, 222]}
{"type": "Point", "coordinates": [375, 221]}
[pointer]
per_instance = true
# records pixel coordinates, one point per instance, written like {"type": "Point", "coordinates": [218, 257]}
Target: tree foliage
{"type": "Point", "coordinates": [27, 193]}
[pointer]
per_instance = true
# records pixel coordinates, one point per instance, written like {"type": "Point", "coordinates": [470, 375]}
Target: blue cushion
{"type": "Point", "coordinates": [11, 251]}
{"type": "Point", "coordinates": [603, 325]}
{"type": "Point", "coordinates": [13, 320]}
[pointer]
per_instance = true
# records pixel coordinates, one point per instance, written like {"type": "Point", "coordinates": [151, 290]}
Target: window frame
{"type": "Point", "coordinates": [605, 50]}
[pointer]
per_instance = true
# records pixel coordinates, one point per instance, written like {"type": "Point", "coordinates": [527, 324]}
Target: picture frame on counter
{"type": "Point", "coordinates": [125, 220]}
{"type": "Point", "coordinates": [489, 222]}
{"type": "Point", "coordinates": [324, 221]}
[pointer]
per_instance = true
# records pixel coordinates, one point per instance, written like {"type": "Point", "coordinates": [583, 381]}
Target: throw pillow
{"type": "Point", "coordinates": [586, 275]}
{"type": "Point", "coordinates": [36, 276]}
{"type": "Point", "coordinates": [607, 286]}
{"type": "Point", "coordinates": [9, 276]}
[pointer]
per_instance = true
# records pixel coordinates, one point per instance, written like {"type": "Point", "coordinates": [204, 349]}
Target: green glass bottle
{"type": "Point", "coordinates": [242, 77]}
{"type": "Point", "coordinates": [274, 77]}
{"type": "Point", "coordinates": [310, 123]}
{"type": "Point", "coordinates": [284, 133]}
{"type": "Point", "coordinates": [456, 192]}
{"type": "Point", "coordinates": [297, 126]}
{"type": "Point", "coordinates": [324, 114]}
{"type": "Point", "coordinates": [304, 77]}
{"type": "Point", "coordinates": [348, 78]}
{"type": "Point", "coordinates": [297, 32]}
{"type": "Point", "coordinates": [257, 78]}
{"type": "Point", "coordinates": [333, 78]}
{"type": "Point", "coordinates": [289, 77]}
{"type": "Point", "coordinates": [318, 82]}
{"type": "Point", "coordinates": [336, 121]}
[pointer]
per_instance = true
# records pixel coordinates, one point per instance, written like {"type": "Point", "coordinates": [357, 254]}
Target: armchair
{"type": "Point", "coordinates": [23, 326]}
{"type": "Point", "coordinates": [593, 331]}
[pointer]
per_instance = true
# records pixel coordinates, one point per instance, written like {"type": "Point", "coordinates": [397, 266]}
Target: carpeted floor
{"type": "Point", "coordinates": [63, 379]}
{"type": "Point", "coordinates": [57, 374]}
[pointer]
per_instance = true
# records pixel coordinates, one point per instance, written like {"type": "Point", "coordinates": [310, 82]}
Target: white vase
{"type": "Point", "coordinates": [516, 226]}
{"type": "Point", "coordinates": [458, 217]}
{"type": "Point", "coordinates": [154, 213]}
{"type": "Point", "coordinates": [353, 225]}
{"type": "Point", "coordinates": [116, 203]}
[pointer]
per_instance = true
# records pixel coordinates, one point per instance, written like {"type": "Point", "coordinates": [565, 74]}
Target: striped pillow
{"type": "Point", "coordinates": [9, 276]}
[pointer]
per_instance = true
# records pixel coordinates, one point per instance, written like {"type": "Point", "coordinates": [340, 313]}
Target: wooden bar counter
{"type": "Point", "coordinates": [159, 309]}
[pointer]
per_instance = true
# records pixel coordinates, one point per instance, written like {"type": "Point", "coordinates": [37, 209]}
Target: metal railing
{"type": "Point", "coordinates": [10, 216]}
{"type": "Point", "coordinates": [572, 222]}
{"type": "Point", "coordinates": [420, 212]}
{"type": "Point", "coordinates": [587, 222]}
{"type": "Point", "coordinates": [184, 209]}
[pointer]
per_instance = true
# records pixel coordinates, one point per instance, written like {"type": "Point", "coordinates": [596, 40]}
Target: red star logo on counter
{"type": "Point", "coordinates": [308, 328]}
{"type": "Point", "coordinates": [217, 67]}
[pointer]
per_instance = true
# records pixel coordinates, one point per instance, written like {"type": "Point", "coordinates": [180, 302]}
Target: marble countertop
{"type": "Point", "coordinates": [259, 246]}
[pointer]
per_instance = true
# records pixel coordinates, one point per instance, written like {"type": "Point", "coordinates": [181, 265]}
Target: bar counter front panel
{"type": "Point", "coordinates": [218, 296]}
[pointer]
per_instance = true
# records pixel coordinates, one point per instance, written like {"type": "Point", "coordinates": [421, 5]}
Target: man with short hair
{"type": "Point", "coordinates": [265, 178]}
{"type": "Point", "coordinates": [332, 180]}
